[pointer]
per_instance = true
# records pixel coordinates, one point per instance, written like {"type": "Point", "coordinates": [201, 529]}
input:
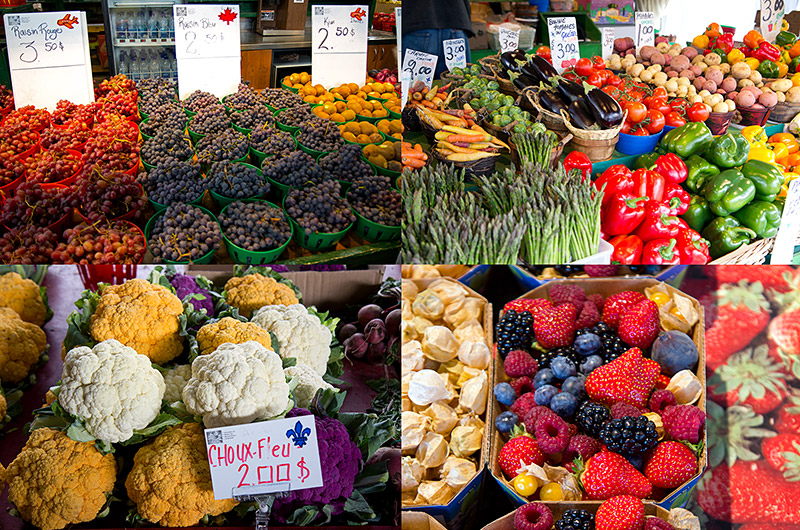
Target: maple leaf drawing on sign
{"type": "Point", "coordinates": [358, 14]}
{"type": "Point", "coordinates": [68, 21]}
{"type": "Point", "coordinates": [227, 16]}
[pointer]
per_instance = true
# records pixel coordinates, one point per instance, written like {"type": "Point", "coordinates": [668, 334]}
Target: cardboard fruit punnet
{"type": "Point", "coordinates": [558, 508]}
{"type": "Point", "coordinates": [419, 521]}
{"type": "Point", "coordinates": [606, 287]}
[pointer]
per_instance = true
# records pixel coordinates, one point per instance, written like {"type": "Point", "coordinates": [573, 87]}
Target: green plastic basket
{"type": "Point", "coordinates": [189, 113]}
{"type": "Point", "coordinates": [222, 201]}
{"type": "Point", "coordinates": [389, 138]}
{"type": "Point", "coordinates": [157, 206]}
{"type": "Point", "coordinates": [241, 129]}
{"type": "Point", "coordinates": [288, 128]}
{"type": "Point", "coordinates": [312, 152]}
{"type": "Point", "coordinates": [393, 114]}
{"type": "Point", "coordinates": [381, 100]}
{"type": "Point", "coordinates": [381, 170]}
{"type": "Point", "coordinates": [251, 257]}
{"type": "Point", "coordinates": [374, 232]}
{"type": "Point", "coordinates": [143, 115]}
{"type": "Point", "coordinates": [283, 189]}
{"type": "Point", "coordinates": [258, 157]}
{"type": "Point", "coordinates": [205, 166]}
{"type": "Point", "coordinates": [290, 89]}
{"type": "Point", "coordinates": [359, 117]}
{"type": "Point", "coordinates": [148, 167]}
{"type": "Point", "coordinates": [314, 241]}
{"type": "Point", "coordinates": [148, 229]}
{"type": "Point", "coordinates": [195, 137]}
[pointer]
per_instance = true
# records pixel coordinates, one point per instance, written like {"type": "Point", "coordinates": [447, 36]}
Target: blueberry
{"type": "Point", "coordinates": [543, 377]}
{"type": "Point", "coordinates": [575, 385]}
{"type": "Point", "coordinates": [674, 351]}
{"type": "Point", "coordinates": [587, 344]}
{"type": "Point", "coordinates": [506, 421]}
{"type": "Point", "coordinates": [544, 394]}
{"type": "Point", "coordinates": [505, 393]}
{"type": "Point", "coordinates": [564, 404]}
{"type": "Point", "coordinates": [562, 367]}
{"type": "Point", "coordinates": [591, 362]}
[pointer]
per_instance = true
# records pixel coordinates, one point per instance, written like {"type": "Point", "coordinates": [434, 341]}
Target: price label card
{"type": "Point", "coordinates": [772, 12]}
{"type": "Point", "coordinates": [398, 16]}
{"type": "Point", "coordinates": [339, 44]}
{"type": "Point", "coordinates": [645, 29]}
{"type": "Point", "coordinates": [509, 40]}
{"type": "Point", "coordinates": [789, 229]}
{"type": "Point", "coordinates": [47, 50]}
{"type": "Point", "coordinates": [264, 457]}
{"type": "Point", "coordinates": [455, 53]}
{"type": "Point", "coordinates": [608, 42]}
{"type": "Point", "coordinates": [563, 42]}
{"type": "Point", "coordinates": [208, 48]}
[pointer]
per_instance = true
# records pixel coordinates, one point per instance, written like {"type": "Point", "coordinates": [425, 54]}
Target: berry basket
{"type": "Point", "coordinates": [222, 201]}
{"type": "Point", "coordinates": [313, 152]}
{"type": "Point", "coordinates": [148, 229]}
{"type": "Point", "coordinates": [372, 231]}
{"type": "Point", "coordinates": [558, 508]}
{"type": "Point", "coordinates": [382, 170]}
{"type": "Point", "coordinates": [250, 257]}
{"type": "Point", "coordinates": [283, 189]}
{"type": "Point", "coordinates": [157, 206]}
{"type": "Point", "coordinates": [315, 241]}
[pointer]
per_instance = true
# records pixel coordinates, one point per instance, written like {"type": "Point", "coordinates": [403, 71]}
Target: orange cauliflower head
{"type": "Point", "coordinates": [254, 291]}
{"type": "Point", "coordinates": [21, 345]}
{"type": "Point", "coordinates": [140, 315]}
{"type": "Point", "coordinates": [228, 329]}
{"type": "Point", "coordinates": [56, 481]}
{"type": "Point", "coordinates": [23, 296]}
{"type": "Point", "coordinates": [170, 481]}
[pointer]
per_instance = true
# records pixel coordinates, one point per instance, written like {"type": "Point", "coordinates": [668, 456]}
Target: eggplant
{"type": "Point", "coordinates": [580, 115]}
{"type": "Point", "coordinates": [570, 90]}
{"type": "Point", "coordinates": [519, 55]}
{"type": "Point", "coordinates": [539, 68]}
{"type": "Point", "coordinates": [519, 83]}
{"type": "Point", "coordinates": [528, 80]}
{"type": "Point", "coordinates": [502, 73]}
{"type": "Point", "coordinates": [607, 111]}
{"type": "Point", "coordinates": [552, 102]}
{"type": "Point", "coordinates": [509, 62]}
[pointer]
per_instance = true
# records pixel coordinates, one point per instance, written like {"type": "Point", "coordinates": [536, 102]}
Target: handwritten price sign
{"type": "Point", "coordinates": [645, 29]}
{"type": "Point", "coordinates": [772, 12]}
{"type": "Point", "coordinates": [206, 31]}
{"type": "Point", "coordinates": [608, 42]}
{"type": "Point", "coordinates": [264, 457]}
{"type": "Point", "coordinates": [455, 53]}
{"type": "Point", "coordinates": [509, 40]}
{"type": "Point", "coordinates": [339, 44]}
{"type": "Point", "coordinates": [563, 42]}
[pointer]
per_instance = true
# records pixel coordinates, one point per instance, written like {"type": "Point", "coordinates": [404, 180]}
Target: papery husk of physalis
{"type": "Point", "coordinates": [412, 473]}
{"type": "Point", "coordinates": [471, 330]}
{"type": "Point", "coordinates": [443, 418]}
{"type": "Point", "coordinates": [689, 316]}
{"type": "Point", "coordinates": [409, 292]}
{"type": "Point", "coordinates": [426, 387]}
{"type": "Point", "coordinates": [421, 272]}
{"type": "Point", "coordinates": [656, 419]}
{"type": "Point", "coordinates": [472, 420]}
{"type": "Point", "coordinates": [457, 472]}
{"type": "Point", "coordinates": [405, 403]}
{"type": "Point", "coordinates": [467, 308]}
{"type": "Point", "coordinates": [433, 450]}
{"type": "Point", "coordinates": [466, 441]}
{"type": "Point", "coordinates": [421, 324]}
{"type": "Point", "coordinates": [434, 492]}
{"type": "Point", "coordinates": [686, 386]}
{"type": "Point", "coordinates": [408, 498]}
{"type": "Point", "coordinates": [536, 471]}
{"type": "Point", "coordinates": [474, 393]}
{"type": "Point", "coordinates": [449, 291]}
{"type": "Point", "coordinates": [452, 369]}
{"type": "Point", "coordinates": [412, 359]}
{"type": "Point", "coordinates": [413, 429]}
{"type": "Point", "coordinates": [439, 344]}
{"type": "Point", "coordinates": [682, 519]}
{"type": "Point", "coordinates": [407, 331]}
{"type": "Point", "coordinates": [475, 354]}
{"type": "Point", "coordinates": [569, 484]}
{"type": "Point", "coordinates": [428, 305]}
{"type": "Point", "coordinates": [466, 374]}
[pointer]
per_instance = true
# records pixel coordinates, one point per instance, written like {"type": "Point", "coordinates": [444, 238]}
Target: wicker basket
{"type": "Point", "coordinates": [484, 166]}
{"type": "Point", "coordinates": [555, 158]}
{"type": "Point", "coordinates": [503, 133]}
{"type": "Point", "coordinates": [753, 116]}
{"type": "Point", "coordinates": [491, 65]}
{"type": "Point", "coordinates": [603, 134]}
{"type": "Point", "coordinates": [410, 119]}
{"type": "Point", "coordinates": [719, 122]}
{"type": "Point", "coordinates": [457, 80]}
{"type": "Point", "coordinates": [596, 150]}
{"type": "Point", "coordinates": [551, 120]}
{"type": "Point", "coordinates": [784, 112]}
{"type": "Point", "coordinates": [753, 254]}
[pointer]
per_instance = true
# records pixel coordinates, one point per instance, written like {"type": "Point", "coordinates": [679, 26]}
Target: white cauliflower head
{"type": "Point", "coordinates": [175, 380]}
{"type": "Point", "coordinates": [113, 389]}
{"type": "Point", "coordinates": [300, 334]}
{"type": "Point", "coordinates": [237, 383]}
{"type": "Point", "coordinates": [308, 382]}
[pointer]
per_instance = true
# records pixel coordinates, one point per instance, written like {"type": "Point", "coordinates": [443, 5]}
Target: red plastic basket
{"type": "Point", "coordinates": [92, 275]}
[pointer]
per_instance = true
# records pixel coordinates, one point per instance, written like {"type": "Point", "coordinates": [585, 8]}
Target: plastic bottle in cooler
{"type": "Point", "coordinates": [152, 25]}
{"type": "Point", "coordinates": [144, 66]}
{"type": "Point", "coordinates": [173, 64]}
{"type": "Point", "coordinates": [155, 64]}
{"type": "Point", "coordinates": [134, 67]}
{"type": "Point", "coordinates": [166, 71]}
{"type": "Point", "coordinates": [163, 23]}
{"type": "Point", "coordinates": [122, 25]}
{"type": "Point", "coordinates": [124, 67]}
{"type": "Point", "coordinates": [171, 21]}
{"type": "Point", "coordinates": [141, 25]}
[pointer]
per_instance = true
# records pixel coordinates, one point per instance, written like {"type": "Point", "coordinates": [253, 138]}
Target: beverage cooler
{"type": "Point", "coordinates": [141, 41]}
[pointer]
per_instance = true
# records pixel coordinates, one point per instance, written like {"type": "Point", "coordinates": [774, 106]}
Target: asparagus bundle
{"type": "Point", "coordinates": [535, 146]}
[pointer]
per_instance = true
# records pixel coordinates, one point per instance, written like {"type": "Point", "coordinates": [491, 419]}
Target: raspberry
{"type": "Point", "coordinates": [522, 385]}
{"type": "Point", "coordinates": [566, 293]}
{"type": "Point", "coordinates": [519, 363]}
{"type": "Point", "coordinates": [552, 433]}
{"type": "Point", "coordinates": [589, 316]}
{"type": "Point", "coordinates": [601, 271]}
{"type": "Point", "coordinates": [581, 445]}
{"type": "Point", "coordinates": [532, 416]}
{"type": "Point", "coordinates": [684, 423]}
{"type": "Point", "coordinates": [662, 399]}
{"type": "Point", "coordinates": [597, 299]}
{"type": "Point", "coordinates": [573, 429]}
{"type": "Point", "coordinates": [620, 410]}
{"type": "Point", "coordinates": [654, 523]}
{"type": "Point", "coordinates": [533, 516]}
{"type": "Point", "coordinates": [523, 404]}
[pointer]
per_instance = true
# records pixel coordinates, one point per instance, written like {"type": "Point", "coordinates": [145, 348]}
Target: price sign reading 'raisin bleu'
{"type": "Point", "coordinates": [563, 42]}
{"type": "Point", "coordinates": [645, 29]}
{"type": "Point", "coordinates": [47, 50]}
{"type": "Point", "coordinates": [339, 44]}
{"type": "Point", "coordinates": [509, 39]}
{"type": "Point", "coordinates": [455, 53]}
{"type": "Point", "coordinates": [264, 457]}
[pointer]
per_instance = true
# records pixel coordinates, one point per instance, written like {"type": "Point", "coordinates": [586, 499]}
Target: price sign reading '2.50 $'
{"type": "Point", "coordinates": [339, 44]}
{"type": "Point", "coordinates": [264, 457]}
{"type": "Point", "coordinates": [563, 42]}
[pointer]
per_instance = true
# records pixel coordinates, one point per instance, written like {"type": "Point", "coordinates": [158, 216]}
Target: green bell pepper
{"type": "Point", "coordinates": [728, 192]}
{"type": "Point", "coordinates": [728, 150]}
{"type": "Point", "coordinates": [764, 218]}
{"type": "Point", "coordinates": [768, 69]}
{"type": "Point", "coordinates": [646, 161]}
{"type": "Point", "coordinates": [700, 170]}
{"type": "Point", "coordinates": [780, 202]}
{"type": "Point", "coordinates": [699, 215]}
{"type": "Point", "coordinates": [767, 179]}
{"type": "Point", "coordinates": [785, 38]}
{"type": "Point", "coordinates": [687, 140]}
{"type": "Point", "coordinates": [725, 235]}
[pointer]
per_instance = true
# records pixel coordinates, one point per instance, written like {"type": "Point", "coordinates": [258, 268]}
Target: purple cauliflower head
{"type": "Point", "coordinates": [186, 285]}
{"type": "Point", "coordinates": [340, 460]}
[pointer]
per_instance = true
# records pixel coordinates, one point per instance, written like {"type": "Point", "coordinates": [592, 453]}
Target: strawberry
{"type": "Point", "coordinates": [532, 306]}
{"type": "Point", "coordinates": [670, 464]}
{"type": "Point", "coordinates": [772, 277]}
{"type": "Point", "coordinates": [618, 304]}
{"type": "Point", "coordinates": [624, 512]}
{"type": "Point", "coordinates": [554, 327]}
{"type": "Point", "coordinates": [627, 379]}
{"type": "Point", "coordinates": [784, 332]}
{"type": "Point", "coordinates": [740, 314]}
{"type": "Point", "coordinates": [518, 452]}
{"type": "Point", "coordinates": [608, 474]}
{"type": "Point", "coordinates": [750, 377]}
{"type": "Point", "coordinates": [788, 421]}
{"type": "Point", "coordinates": [783, 453]}
{"type": "Point", "coordinates": [639, 325]}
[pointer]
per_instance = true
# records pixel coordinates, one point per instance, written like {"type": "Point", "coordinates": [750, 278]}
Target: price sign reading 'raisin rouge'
{"type": "Point", "coordinates": [509, 40]}
{"type": "Point", "coordinates": [455, 53]}
{"type": "Point", "coordinates": [563, 42]}
{"type": "Point", "coordinates": [339, 44]}
{"type": "Point", "coordinates": [264, 457]}
{"type": "Point", "coordinates": [645, 29]}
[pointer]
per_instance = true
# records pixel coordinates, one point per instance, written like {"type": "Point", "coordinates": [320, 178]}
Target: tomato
{"type": "Point", "coordinates": [612, 91]}
{"type": "Point", "coordinates": [604, 75]}
{"type": "Point", "coordinates": [697, 112]}
{"type": "Point", "coordinates": [679, 104]}
{"type": "Point", "coordinates": [656, 124]}
{"type": "Point", "coordinates": [674, 119]}
{"type": "Point", "coordinates": [626, 127]}
{"type": "Point", "coordinates": [543, 51]}
{"type": "Point", "coordinates": [636, 95]}
{"type": "Point", "coordinates": [584, 67]}
{"type": "Point", "coordinates": [641, 131]}
{"type": "Point", "coordinates": [595, 79]}
{"type": "Point", "coordinates": [614, 80]}
{"type": "Point", "coordinates": [570, 76]}
{"type": "Point", "coordinates": [660, 92]}
{"type": "Point", "coordinates": [636, 111]}
{"type": "Point", "coordinates": [598, 62]}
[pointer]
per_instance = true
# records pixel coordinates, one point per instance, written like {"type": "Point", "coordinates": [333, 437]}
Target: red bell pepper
{"type": "Point", "coordinates": [676, 198]}
{"type": "Point", "coordinates": [623, 214]}
{"type": "Point", "coordinates": [746, 50]}
{"type": "Point", "coordinates": [693, 248]}
{"type": "Point", "coordinates": [767, 52]}
{"type": "Point", "coordinates": [627, 250]}
{"type": "Point", "coordinates": [648, 183]}
{"type": "Point", "coordinates": [724, 42]}
{"type": "Point", "coordinates": [658, 223]}
{"type": "Point", "coordinates": [661, 251]}
{"type": "Point", "coordinates": [579, 160]}
{"type": "Point", "coordinates": [616, 178]}
{"type": "Point", "coordinates": [672, 168]}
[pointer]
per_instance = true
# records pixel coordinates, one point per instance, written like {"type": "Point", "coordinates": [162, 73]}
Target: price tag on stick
{"type": "Point", "coordinates": [208, 48]}
{"type": "Point", "coordinates": [645, 29]}
{"type": "Point", "coordinates": [339, 44]}
{"type": "Point", "coordinates": [772, 12]}
{"type": "Point", "coordinates": [417, 66]}
{"type": "Point", "coordinates": [398, 17]}
{"type": "Point", "coordinates": [608, 42]}
{"type": "Point", "coordinates": [47, 50]}
{"type": "Point", "coordinates": [509, 39]}
{"type": "Point", "coordinates": [783, 250]}
{"type": "Point", "coordinates": [455, 53]}
{"type": "Point", "coordinates": [563, 42]}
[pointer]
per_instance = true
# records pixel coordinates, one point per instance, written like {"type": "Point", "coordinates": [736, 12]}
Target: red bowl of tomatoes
{"type": "Point", "coordinates": [633, 144]}
{"type": "Point", "coordinates": [718, 122]}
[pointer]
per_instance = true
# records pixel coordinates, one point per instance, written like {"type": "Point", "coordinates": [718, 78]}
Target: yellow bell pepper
{"type": "Point", "coordinates": [735, 56]}
{"type": "Point", "coordinates": [785, 187]}
{"type": "Point", "coordinates": [785, 57]}
{"type": "Point", "coordinates": [752, 62]}
{"type": "Point", "coordinates": [764, 154]}
{"type": "Point", "coordinates": [701, 41]}
{"type": "Point", "coordinates": [755, 135]}
{"type": "Point", "coordinates": [784, 25]}
{"type": "Point", "coordinates": [779, 150]}
{"type": "Point", "coordinates": [783, 69]}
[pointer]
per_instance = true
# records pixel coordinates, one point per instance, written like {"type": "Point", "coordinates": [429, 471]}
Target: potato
{"type": "Point", "coordinates": [672, 74]}
{"type": "Point", "coordinates": [646, 52]}
{"type": "Point", "coordinates": [660, 79]}
{"type": "Point", "coordinates": [793, 95]}
{"type": "Point", "coordinates": [698, 59]}
{"type": "Point", "coordinates": [683, 90]}
{"type": "Point", "coordinates": [768, 99]}
{"type": "Point", "coordinates": [713, 73]}
{"type": "Point", "coordinates": [658, 58]}
{"type": "Point", "coordinates": [755, 91]}
{"type": "Point", "coordinates": [674, 53]}
{"type": "Point", "coordinates": [745, 99]}
{"type": "Point", "coordinates": [728, 84]}
{"type": "Point", "coordinates": [646, 76]}
{"type": "Point", "coordinates": [689, 52]}
{"type": "Point", "coordinates": [696, 99]}
{"type": "Point", "coordinates": [655, 68]}
{"type": "Point", "coordinates": [741, 71]}
{"type": "Point", "coordinates": [683, 81]}
{"type": "Point", "coordinates": [731, 105]}
{"type": "Point", "coordinates": [713, 99]}
{"type": "Point", "coordinates": [726, 68]}
{"type": "Point", "coordinates": [698, 82]}
{"type": "Point", "coordinates": [781, 97]}
{"type": "Point", "coordinates": [745, 83]}
{"type": "Point", "coordinates": [662, 47]}
{"type": "Point", "coordinates": [704, 93]}
{"type": "Point", "coordinates": [781, 85]}
{"type": "Point", "coordinates": [671, 85]}
{"type": "Point", "coordinates": [710, 85]}
{"type": "Point", "coordinates": [732, 96]}
{"type": "Point", "coordinates": [720, 107]}
{"type": "Point", "coordinates": [680, 63]}
{"type": "Point", "coordinates": [623, 44]}
{"type": "Point", "coordinates": [758, 106]}
{"type": "Point", "coordinates": [708, 107]}
{"type": "Point", "coordinates": [703, 66]}
{"type": "Point", "coordinates": [687, 74]}
{"type": "Point", "coordinates": [635, 70]}
{"type": "Point", "coordinates": [713, 59]}
{"type": "Point", "coordinates": [696, 70]}
{"type": "Point", "coordinates": [692, 90]}
{"type": "Point", "coordinates": [755, 77]}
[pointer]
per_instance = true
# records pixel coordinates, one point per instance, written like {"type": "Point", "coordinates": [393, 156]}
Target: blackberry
{"type": "Point", "coordinates": [320, 208]}
{"type": "Point", "coordinates": [514, 332]}
{"type": "Point", "coordinates": [602, 329]}
{"type": "Point", "coordinates": [166, 145]}
{"type": "Point", "coordinates": [576, 520]}
{"type": "Point", "coordinates": [210, 120]}
{"type": "Point", "coordinates": [591, 417]}
{"type": "Point", "coordinates": [199, 99]}
{"type": "Point", "coordinates": [236, 181]}
{"type": "Point", "coordinates": [174, 182]}
{"type": "Point", "coordinates": [345, 164]}
{"type": "Point", "coordinates": [566, 270]}
{"type": "Point", "coordinates": [373, 198]}
{"type": "Point", "coordinates": [255, 226]}
{"type": "Point", "coordinates": [267, 139]}
{"type": "Point", "coordinates": [298, 116]}
{"type": "Point", "coordinates": [258, 116]}
{"type": "Point", "coordinates": [243, 99]}
{"type": "Point", "coordinates": [183, 233]}
{"type": "Point", "coordinates": [613, 347]}
{"type": "Point", "coordinates": [320, 135]}
{"type": "Point", "coordinates": [227, 145]}
{"type": "Point", "coordinates": [167, 115]}
{"type": "Point", "coordinates": [297, 170]}
{"type": "Point", "coordinates": [278, 98]}
{"type": "Point", "coordinates": [629, 435]}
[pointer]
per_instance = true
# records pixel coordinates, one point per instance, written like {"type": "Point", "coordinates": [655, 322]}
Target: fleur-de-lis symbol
{"type": "Point", "coordinates": [299, 434]}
